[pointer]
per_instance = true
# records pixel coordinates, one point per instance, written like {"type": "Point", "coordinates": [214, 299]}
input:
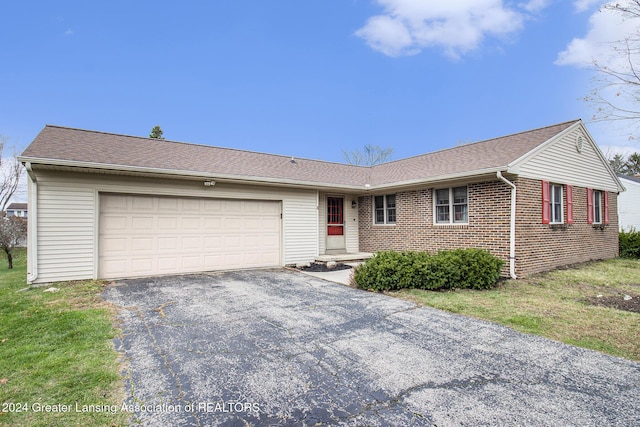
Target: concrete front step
{"type": "Point", "coordinates": [355, 256]}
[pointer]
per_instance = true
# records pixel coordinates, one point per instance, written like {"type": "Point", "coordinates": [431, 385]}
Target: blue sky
{"type": "Point", "coordinates": [301, 78]}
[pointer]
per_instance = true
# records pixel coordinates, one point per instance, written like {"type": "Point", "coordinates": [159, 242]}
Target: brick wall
{"type": "Point", "coordinates": [539, 247]}
{"type": "Point", "coordinates": [488, 228]}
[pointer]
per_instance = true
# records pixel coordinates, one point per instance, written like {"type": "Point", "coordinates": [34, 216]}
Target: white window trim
{"type": "Point", "coordinates": [551, 202]}
{"type": "Point", "coordinates": [386, 217]}
{"type": "Point", "coordinates": [451, 204]}
{"type": "Point", "coordinates": [598, 208]}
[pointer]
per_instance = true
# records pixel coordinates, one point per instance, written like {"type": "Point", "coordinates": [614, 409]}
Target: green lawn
{"type": "Point", "coordinates": [56, 350]}
{"type": "Point", "coordinates": [554, 305]}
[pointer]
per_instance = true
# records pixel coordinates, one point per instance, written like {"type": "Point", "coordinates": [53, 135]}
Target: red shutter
{"type": "Point", "coordinates": [569, 204]}
{"type": "Point", "coordinates": [606, 206]}
{"type": "Point", "coordinates": [546, 203]}
{"type": "Point", "coordinates": [589, 206]}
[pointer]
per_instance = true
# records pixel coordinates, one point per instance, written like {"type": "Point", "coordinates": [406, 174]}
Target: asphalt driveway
{"type": "Point", "coordinates": [279, 347]}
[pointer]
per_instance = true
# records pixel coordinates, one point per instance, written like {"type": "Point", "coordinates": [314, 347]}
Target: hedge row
{"type": "Point", "coordinates": [459, 268]}
{"type": "Point", "coordinates": [629, 242]}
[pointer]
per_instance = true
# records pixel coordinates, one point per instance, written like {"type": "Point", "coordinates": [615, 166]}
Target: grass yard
{"type": "Point", "coordinates": [56, 350]}
{"type": "Point", "coordinates": [571, 305]}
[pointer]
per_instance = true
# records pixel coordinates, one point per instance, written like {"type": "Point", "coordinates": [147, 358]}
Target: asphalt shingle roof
{"type": "Point", "coordinates": [54, 144]}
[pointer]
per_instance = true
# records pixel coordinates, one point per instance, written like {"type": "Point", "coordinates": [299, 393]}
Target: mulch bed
{"type": "Point", "coordinates": [321, 267]}
{"type": "Point", "coordinates": [617, 301]}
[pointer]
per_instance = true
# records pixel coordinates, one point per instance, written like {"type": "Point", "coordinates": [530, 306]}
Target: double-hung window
{"type": "Point", "coordinates": [451, 205]}
{"type": "Point", "coordinates": [597, 207]}
{"type": "Point", "coordinates": [557, 215]}
{"type": "Point", "coordinates": [554, 210]}
{"type": "Point", "coordinates": [385, 209]}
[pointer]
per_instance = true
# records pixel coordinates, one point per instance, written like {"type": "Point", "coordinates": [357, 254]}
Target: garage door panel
{"type": "Point", "coordinates": [271, 209]}
{"type": "Point", "coordinates": [213, 206]}
{"type": "Point", "coordinates": [213, 242]}
{"type": "Point", "coordinates": [142, 243]}
{"type": "Point", "coordinates": [212, 223]}
{"type": "Point", "coordinates": [142, 266]}
{"type": "Point", "coordinates": [113, 222]}
{"type": "Point", "coordinates": [147, 235]}
{"type": "Point", "coordinates": [232, 223]}
{"type": "Point", "coordinates": [168, 223]}
{"type": "Point", "coordinates": [140, 223]}
{"type": "Point", "coordinates": [191, 223]}
{"type": "Point", "coordinates": [191, 262]}
{"type": "Point", "coordinates": [168, 264]}
{"type": "Point", "coordinates": [114, 245]}
{"type": "Point", "coordinates": [191, 205]}
{"type": "Point", "coordinates": [143, 203]}
{"type": "Point", "coordinates": [166, 204]}
{"type": "Point", "coordinates": [252, 223]}
{"type": "Point", "coordinates": [191, 243]}
{"type": "Point", "coordinates": [114, 204]}
{"type": "Point", "coordinates": [232, 242]}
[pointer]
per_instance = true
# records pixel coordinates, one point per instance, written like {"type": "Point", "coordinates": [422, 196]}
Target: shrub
{"type": "Point", "coordinates": [629, 242]}
{"type": "Point", "coordinates": [459, 268]}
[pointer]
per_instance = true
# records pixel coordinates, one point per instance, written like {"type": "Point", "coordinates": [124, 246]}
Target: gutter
{"type": "Point", "coordinates": [195, 175]}
{"type": "Point", "coordinates": [512, 230]}
{"type": "Point", "coordinates": [32, 225]}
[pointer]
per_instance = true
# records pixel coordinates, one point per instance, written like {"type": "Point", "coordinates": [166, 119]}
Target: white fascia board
{"type": "Point", "coordinates": [187, 174]}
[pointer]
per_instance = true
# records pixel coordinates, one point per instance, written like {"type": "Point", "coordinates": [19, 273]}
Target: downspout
{"type": "Point", "coordinates": [512, 231]}
{"type": "Point", "coordinates": [32, 225]}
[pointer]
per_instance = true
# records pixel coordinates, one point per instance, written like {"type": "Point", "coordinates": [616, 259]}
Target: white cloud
{"type": "Point", "coordinates": [583, 5]}
{"type": "Point", "coordinates": [68, 32]}
{"type": "Point", "coordinates": [535, 5]}
{"type": "Point", "coordinates": [457, 26]}
{"type": "Point", "coordinates": [605, 27]}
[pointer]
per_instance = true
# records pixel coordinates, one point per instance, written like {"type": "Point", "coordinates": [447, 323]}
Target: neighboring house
{"type": "Point", "coordinates": [629, 203]}
{"type": "Point", "coordinates": [17, 209]}
{"type": "Point", "coordinates": [111, 206]}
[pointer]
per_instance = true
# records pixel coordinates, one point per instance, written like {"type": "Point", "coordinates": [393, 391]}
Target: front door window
{"type": "Point", "coordinates": [335, 218]}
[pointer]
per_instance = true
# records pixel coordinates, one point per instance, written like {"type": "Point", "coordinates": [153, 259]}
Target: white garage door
{"type": "Point", "coordinates": [146, 235]}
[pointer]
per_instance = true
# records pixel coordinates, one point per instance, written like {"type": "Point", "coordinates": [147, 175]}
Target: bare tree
{"type": "Point", "coordinates": [617, 86]}
{"type": "Point", "coordinates": [370, 155]}
{"type": "Point", "coordinates": [13, 230]}
{"type": "Point", "coordinates": [11, 172]}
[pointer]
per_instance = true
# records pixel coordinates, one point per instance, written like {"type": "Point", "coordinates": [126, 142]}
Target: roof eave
{"type": "Point", "coordinates": [185, 174]}
{"type": "Point", "coordinates": [467, 175]}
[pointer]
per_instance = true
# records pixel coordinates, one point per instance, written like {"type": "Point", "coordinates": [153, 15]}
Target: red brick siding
{"type": "Point", "coordinates": [488, 228]}
{"type": "Point", "coordinates": [539, 247]}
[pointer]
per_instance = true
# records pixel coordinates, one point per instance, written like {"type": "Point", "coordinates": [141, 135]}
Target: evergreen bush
{"type": "Point", "coordinates": [459, 268]}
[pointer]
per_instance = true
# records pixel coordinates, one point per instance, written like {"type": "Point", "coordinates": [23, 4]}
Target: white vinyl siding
{"type": "Point", "coordinates": [629, 205]}
{"type": "Point", "coordinates": [300, 226]}
{"type": "Point", "coordinates": [67, 238]}
{"type": "Point", "coordinates": [66, 233]}
{"type": "Point", "coordinates": [560, 161]}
